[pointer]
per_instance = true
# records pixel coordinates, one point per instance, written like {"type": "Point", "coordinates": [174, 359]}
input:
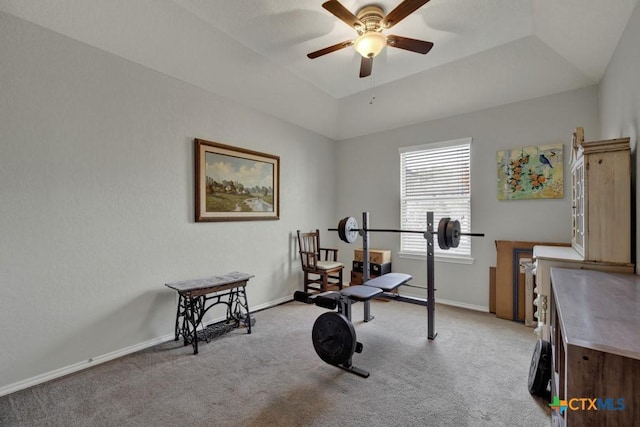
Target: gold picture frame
{"type": "Point", "coordinates": [235, 184]}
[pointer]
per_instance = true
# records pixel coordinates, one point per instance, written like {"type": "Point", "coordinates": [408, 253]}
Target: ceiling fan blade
{"type": "Point", "coordinates": [404, 9]}
{"type": "Point", "coordinates": [418, 46]}
{"type": "Point", "coordinates": [366, 64]}
{"type": "Point", "coordinates": [342, 13]}
{"type": "Point", "coordinates": [329, 49]}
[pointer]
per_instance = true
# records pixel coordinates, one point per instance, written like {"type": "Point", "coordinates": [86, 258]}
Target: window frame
{"type": "Point", "coordinates": [440, 255]}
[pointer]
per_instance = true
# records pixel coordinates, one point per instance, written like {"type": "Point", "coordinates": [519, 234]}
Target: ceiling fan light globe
{"type": "Point", "coordinates": [370, 44]}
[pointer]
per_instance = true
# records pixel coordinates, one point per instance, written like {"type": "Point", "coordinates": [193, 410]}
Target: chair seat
{"type": "Point", "coordinates": [328, 265]}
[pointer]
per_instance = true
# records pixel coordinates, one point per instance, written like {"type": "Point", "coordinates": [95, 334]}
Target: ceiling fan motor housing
{"type": "Point", "coordinates": [371, 40]}
{"type": "Point", "coordinates": [370, 16]}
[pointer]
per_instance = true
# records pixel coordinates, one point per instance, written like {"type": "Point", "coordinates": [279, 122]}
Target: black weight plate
{"type": "Point", "coordinates": [334, 338]}
{"type": "Point", "coordinates": [453, 233]}
{"type": "Point", "coordinates": [442, 233]}
{"type": "Point", "coordinates": [540, 369]}
{"type": "Point", "coordinates": [342, 226]}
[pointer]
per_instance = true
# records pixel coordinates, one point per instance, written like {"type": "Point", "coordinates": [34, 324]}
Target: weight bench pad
{"type": "Point", "coordinates": [389, 282]}
{"type": "Point", "coordinates": [360, 292]}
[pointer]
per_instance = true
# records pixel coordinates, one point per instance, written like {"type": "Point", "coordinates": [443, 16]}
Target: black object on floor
{"type": "Point", "coordinates": [540, 369]}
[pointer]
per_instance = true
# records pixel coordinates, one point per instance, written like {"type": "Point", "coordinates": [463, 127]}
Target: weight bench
{"type": "Point", "coordinates": [385, 284]}
{"type": "Point", "coordinates": [333, 335]}
{"type": "Point", "coordinates": [381, 285]}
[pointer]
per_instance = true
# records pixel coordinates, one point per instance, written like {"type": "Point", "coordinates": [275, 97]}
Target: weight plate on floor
{"type": "Point", "coordinates": [348, 229]}
{"type": "Point", "coordinates": [540, 369]}
{"type": "Point", "coordinates": [334, 338]}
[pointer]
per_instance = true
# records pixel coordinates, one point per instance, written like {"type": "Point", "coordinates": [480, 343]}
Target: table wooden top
{"type": "Point", "coordinates": [210, 282]}
{"type": "Point", "coordinates": [599, 310]}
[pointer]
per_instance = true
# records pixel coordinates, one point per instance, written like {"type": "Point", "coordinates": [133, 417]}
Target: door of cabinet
{"type": "Point", "coordinates": [578, 208]}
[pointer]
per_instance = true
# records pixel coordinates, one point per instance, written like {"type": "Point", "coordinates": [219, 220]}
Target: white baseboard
{"type": "Point", "coordinates": [463, 305]}
{"type": "Point", "coordinates": [272, 303]}
{"type": "Point", "coordinates": [451, 303]}
{"type": "Point", "coordinates": [48, 376]}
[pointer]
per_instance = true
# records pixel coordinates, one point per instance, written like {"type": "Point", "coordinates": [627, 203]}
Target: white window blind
{"type": "Point", "coordinates": [435, 177]}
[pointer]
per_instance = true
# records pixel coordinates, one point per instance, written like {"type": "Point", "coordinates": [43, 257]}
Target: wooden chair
{"type": "Point", "coordinates": [320, 265]}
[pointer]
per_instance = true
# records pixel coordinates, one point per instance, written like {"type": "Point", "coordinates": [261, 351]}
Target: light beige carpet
{"type": "Point", "coordinates": [473, 374]}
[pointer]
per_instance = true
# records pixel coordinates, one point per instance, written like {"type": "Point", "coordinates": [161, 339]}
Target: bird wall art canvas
{"type": "Point", "coordinates": [534, 172]}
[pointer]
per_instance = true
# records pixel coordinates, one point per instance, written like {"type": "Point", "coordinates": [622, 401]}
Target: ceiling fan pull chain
{"type": "Point", "coordinates": [373, 96]}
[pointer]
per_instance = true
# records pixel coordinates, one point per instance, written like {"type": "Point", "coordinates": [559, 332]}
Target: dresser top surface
{"type": "Point", "coordinates": [556, 253]}
{"type": "Point", "coordinates": [599, 310]}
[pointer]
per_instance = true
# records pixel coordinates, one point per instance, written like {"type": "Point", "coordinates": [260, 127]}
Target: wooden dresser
{"type": "Point", "coordinates": [595, 341]}
{"type": "Point", "coordinates": [547, 257]}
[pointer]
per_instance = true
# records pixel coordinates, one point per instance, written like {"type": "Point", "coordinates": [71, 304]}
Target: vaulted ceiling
{"type": "Point", "coordinates": [486, 53]}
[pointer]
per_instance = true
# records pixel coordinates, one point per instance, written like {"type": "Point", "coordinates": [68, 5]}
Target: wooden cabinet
{"type": "Point", "coordinates": [601, 217]}
{"type": "Point", "coordinates": [601, 200]}
{"type": "Point", "coordinates": [595, 345]}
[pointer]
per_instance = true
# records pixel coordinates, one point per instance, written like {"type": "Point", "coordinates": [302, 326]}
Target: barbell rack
{"type": "Point", "coordinates": [447, 238]}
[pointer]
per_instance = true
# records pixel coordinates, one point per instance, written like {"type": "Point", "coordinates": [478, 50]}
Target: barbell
{"type": "Point", "coordinates": [448, 232]}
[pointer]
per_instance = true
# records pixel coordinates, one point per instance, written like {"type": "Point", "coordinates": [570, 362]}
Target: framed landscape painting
{"type": "Point", "coordinates": [235, 184]}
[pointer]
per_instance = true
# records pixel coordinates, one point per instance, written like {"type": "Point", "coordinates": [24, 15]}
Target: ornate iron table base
{"type": "Point", "coordinates": [196, 297]}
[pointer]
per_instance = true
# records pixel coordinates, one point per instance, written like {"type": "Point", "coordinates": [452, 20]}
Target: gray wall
{"type": "Point", "coordinates": [620, 103]}
{"type": "Point", "coordinates": [96, 202]}
{"type": "Point", "coordinates": [369, 180]}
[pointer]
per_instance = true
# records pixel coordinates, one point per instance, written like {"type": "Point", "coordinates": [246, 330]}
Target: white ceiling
{"type": "Point", "coordinates": [285, 31]}
{"type": "Point", "coordinates": [486, 53]}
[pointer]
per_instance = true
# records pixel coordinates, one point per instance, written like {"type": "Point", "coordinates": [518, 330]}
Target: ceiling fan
{"type": "Point", "coordinates": [369, 22]}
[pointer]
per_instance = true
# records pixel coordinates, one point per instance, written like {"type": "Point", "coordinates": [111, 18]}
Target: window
{"type": "Point", "coordinates": [435, 177]}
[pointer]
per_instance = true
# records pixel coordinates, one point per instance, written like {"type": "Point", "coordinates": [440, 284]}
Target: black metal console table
{"type": "Point", "coordinates": [196, 297]}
